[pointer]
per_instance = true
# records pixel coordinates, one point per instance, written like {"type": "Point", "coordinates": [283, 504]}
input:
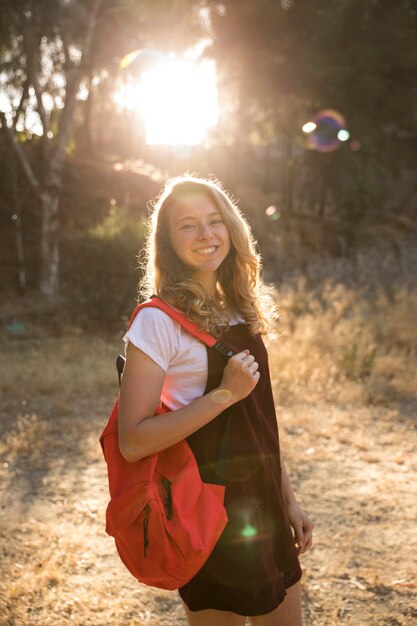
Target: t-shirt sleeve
{"type": "Point", "coordinates": [156, 334]}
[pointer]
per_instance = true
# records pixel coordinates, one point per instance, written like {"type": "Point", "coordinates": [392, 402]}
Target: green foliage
{"type": "Point", "coordinates": [279, 63]}
{"type": "Point", "coordinates": [285, 61]}
{"type": "Point", "coordinates": [98, 267]}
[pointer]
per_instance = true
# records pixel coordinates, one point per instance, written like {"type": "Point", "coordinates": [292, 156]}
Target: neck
{"type": "Point", "coordinates": [208, 281]}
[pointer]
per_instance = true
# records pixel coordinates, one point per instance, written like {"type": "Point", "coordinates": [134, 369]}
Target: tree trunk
{"type": "Point", "coordinates": [20, 254]}
{"type": "Point", "coordinates": [87, 135]}
{"type": "Point", "coordinates": [51, 190]}
{"type": "Point", "coordinates": [49, 266]}
{"type": "Point", "coordinates": [17, 221]}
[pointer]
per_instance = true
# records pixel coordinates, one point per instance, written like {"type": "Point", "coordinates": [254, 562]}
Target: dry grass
{"type": "Point", "coordinates": [344, 373]}
{"type": "Point", "coordinates": [341, 346]}
{"type": "Point", "coordinates": [61, 366]}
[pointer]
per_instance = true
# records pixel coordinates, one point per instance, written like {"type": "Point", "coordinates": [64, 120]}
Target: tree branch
{"type": "Point", "coordinates": [22, 102]}
{"type": "Point", "coordinates": [92, 23]}
{"type": "Point", "coordinates": [24, 161]}
{"type": "Point", "coordinates": [33, 63]}
{"type": "Point", "coordinates": [68, 62]}
{"type": "Point", "coordinates": [74, 76]}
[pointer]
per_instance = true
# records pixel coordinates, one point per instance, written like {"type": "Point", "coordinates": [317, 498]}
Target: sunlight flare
{"type": "Point", "coordinates": [177, 100]}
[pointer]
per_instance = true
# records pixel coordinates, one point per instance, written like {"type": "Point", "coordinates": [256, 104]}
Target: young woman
{"type": "Point", "coordinates": [201, 259]}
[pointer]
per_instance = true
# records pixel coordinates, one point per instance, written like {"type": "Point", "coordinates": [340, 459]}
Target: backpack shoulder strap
{"type": "Point", "coordinates": [192, 327]}
{"type": "Point", "coordinates": [182, 319]}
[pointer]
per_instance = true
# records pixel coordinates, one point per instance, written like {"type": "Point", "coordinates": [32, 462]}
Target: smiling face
{"type": "Point", "coordinates": [199, 237]}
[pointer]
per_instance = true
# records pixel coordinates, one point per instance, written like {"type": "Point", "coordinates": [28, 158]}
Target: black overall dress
{"type": "Point", "coordinates": [255, 559]}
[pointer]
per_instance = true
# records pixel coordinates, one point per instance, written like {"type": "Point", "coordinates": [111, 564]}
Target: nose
{"type": "Point", "coordinates": [205, 231]}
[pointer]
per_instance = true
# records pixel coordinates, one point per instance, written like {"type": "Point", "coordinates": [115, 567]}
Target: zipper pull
{"type": "Point", "coordinates": [145, 529]}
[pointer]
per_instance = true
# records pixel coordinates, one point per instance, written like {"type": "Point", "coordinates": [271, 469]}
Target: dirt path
{"type": "Point", "coordinates": [353, 470]}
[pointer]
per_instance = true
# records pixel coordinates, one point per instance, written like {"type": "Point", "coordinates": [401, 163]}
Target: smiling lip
{"type": "Point", "coordinates": [208, 250]}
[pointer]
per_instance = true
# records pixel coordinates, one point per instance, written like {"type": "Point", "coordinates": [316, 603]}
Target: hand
{"type": "Point", "coordinates": [240, 376]}
{"type": "Point", "coordinates": [302, 526]}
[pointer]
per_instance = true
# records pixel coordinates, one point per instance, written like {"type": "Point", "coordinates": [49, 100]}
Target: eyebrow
{"type": "Point", "coordinates": [192, 217]}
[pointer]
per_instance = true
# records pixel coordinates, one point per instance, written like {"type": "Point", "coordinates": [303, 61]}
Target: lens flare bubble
{"type": "Point", "coordinates": [248, 531]}
{"type": "Point", "coordinates": [328, 124]}
{"type": "Point", "coordinates": [309, 127]}
{"type": "Point", "coordinates": [343, 135]}
{"type": "Point", "coordinates": [142, 56]}
{"type": "Point", "coordinates": [273, 213]}
{"type": "Point", "coordinates": [221, 396]}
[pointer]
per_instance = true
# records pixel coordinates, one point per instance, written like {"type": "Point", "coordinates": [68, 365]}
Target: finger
{"type": "Point", "coordinates": [307, 536]}
{"type": "Point", "coordinates": [307, 546]}
{"type": "Point", "coordinates": [253, 367]}
{"type": "Point", "coordinates": [299, 535]}
{"type": "Point", "coordinates": [248, 358]}
{"type": "Point", "coordinates": [248, 361]}
{"type": "Point", "coordinates": [307, 526]}
{"type": "Point", "coordinates": [307, 540]}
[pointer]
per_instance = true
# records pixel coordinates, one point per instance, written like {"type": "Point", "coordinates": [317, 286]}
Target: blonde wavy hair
{"type": "Point", "coordinates": [240, 288]}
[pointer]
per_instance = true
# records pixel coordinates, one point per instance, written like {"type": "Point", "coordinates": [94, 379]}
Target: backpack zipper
{"type": "Point", "coordinates": [145, 530]}
{"type": "Point", "coordinates": [168, 498]}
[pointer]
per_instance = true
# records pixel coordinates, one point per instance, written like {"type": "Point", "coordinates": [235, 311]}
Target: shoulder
{"type": "Point", "coordinates": [156, 334]}
{"type": "Point", "coordinates": [151, 318]}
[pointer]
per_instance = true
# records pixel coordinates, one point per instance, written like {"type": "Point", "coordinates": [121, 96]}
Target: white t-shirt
{"type": "Point", "coordinates": [179, 354]}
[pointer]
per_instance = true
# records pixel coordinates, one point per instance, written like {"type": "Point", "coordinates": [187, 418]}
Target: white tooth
{"type": "Point", "coordinates": [206, 250]}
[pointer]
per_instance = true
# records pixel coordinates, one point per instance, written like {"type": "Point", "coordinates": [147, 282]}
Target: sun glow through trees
{"type": "Point", "coordinates": [177, 100]}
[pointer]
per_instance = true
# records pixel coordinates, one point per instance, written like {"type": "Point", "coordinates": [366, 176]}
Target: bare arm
{"type": "Point", "coordinates": [301, 524]}
{"type": "Point", "coordinates": [141, 432]}
{"type": "Point", "coordinates": [287, 491]}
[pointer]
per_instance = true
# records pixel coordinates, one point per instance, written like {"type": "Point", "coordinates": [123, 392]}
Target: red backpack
{"type": "Point", "coordinates": [164, 519]}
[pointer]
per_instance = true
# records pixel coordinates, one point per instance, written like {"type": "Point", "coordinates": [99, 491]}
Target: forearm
{"type": "Point", "coordinates": [287, 491]}
{"type": "Point", "coordinates": [159, 432]}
